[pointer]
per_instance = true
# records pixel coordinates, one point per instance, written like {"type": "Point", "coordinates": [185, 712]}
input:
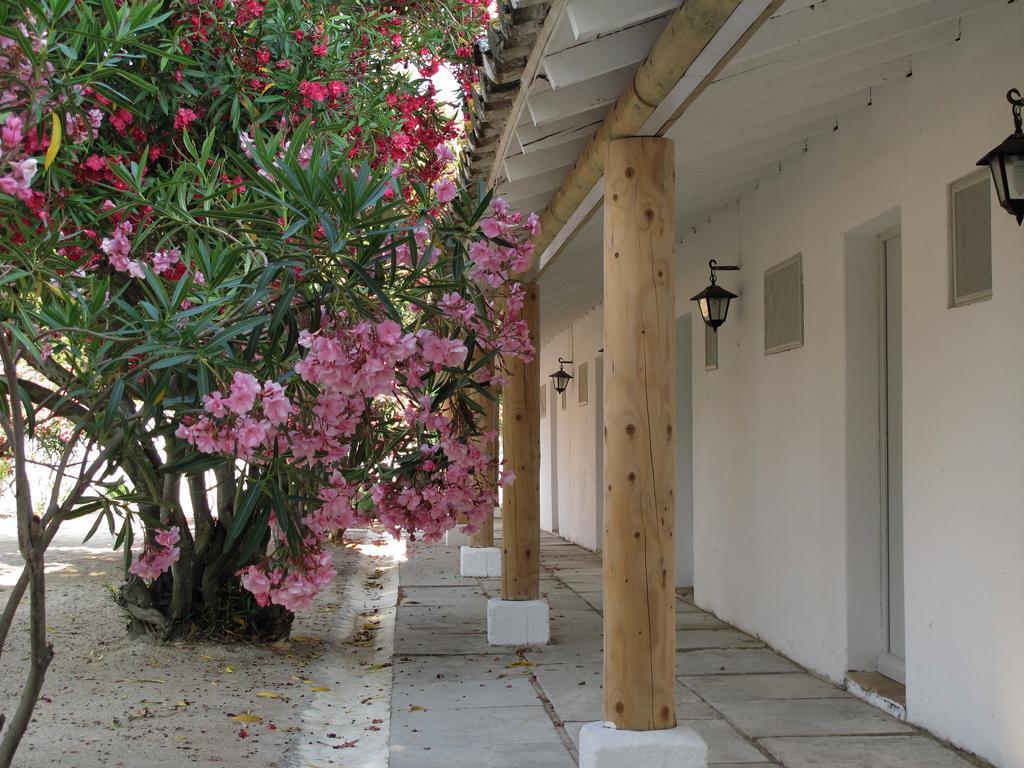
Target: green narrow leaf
{"type": "Point", "coordinates": [243, 514]}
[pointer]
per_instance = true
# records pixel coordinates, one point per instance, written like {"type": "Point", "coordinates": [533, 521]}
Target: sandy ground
{"type": "Point", "coordinates": [113, 701]}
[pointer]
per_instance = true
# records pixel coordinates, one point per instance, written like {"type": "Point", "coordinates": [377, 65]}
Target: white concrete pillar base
{"type": "Point", "coordinates": [518, 622]}
{"type": "Point", "coordinates": [604, 746]}
{"type": "Point", "coordinates": [454, 537]}
{"type": "Point", "coordinates": [484, 562]}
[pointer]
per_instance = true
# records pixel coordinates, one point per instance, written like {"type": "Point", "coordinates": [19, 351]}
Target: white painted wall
{"type": "Point", "coordinates": [576, 429]}
{"type": "Point", "coordinates": [772, 495]}
{"type": "Point", "coordinates": [780, 476]}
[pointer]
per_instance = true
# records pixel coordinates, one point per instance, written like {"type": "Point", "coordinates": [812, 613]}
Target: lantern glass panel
{"type": "Point", "coordinates": [996, 164]}
{"type": "Point", "coordinates": [718, 309]}
{"type": "Point", "coordinates": [704, 311]}
{"type": "Point", "coordinates": [1015, 176]}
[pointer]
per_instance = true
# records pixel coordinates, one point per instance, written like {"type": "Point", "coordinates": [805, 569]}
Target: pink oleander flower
{"type": "Point", "coordinates": [533, 223]}
{"type": "Point", "coordinates": [214, 404]}
{"type": "Point", "coordinates": [313, 91]}
{"type": "Point", "coordinates": [439, 351]}
{"type": "Point", "coordinates": [258, 583]}
{"type": "Point", "coordinates": [276, 406]}
{"type": "Point", "coordinates": [445, 190]}
{"type": "Point", "coordinates": [490, 227]}
{"type": "Point", "coordinates": [169, 537]}
{"type": "Point", "coordinates": [165, 259]}
{"type": "Point", "coordinates": [158, 556]}
{"type": "Point", "coordinates": [184, 118]}
{"type": "Point", "coordinates": [12, 133]}
{"type": "Point", "coordinates": [444, 153]}
{"type": "Point", "coordinates": [18, 183]}
{"type": "Point", "coordinates": [296, 593]}
{"type": "Point", "coordinates": [244, 390]}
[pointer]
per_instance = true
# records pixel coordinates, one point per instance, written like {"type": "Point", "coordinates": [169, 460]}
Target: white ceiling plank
{"type": "Point", "coordinates": [528, 133]}
{"type": "Point", "coordinates": [593, 17]}
{"type": "Point", "coordinates": [715, 197]}
{"type": "Point", "coordinates": [750, 155]}
{"type": "Point", "coordinates": [563, 37]}
{"type": "Point", "coordinates": [519, 167]}
{"type": "Point", "coordinates": [687, 193]}
{"type": "Point", "coordinates": [792, 99]}
{"type": "Point", "coordinates": [605, 54]}
{"type": "Point", "coordinates": [735, 147]}
{"type": "Point", "coordinates": [718, 135]}
{"type": "Point", "coordinates": [528, 205]}
{"type": "Point", "coordinates": [845, 25]}
{"type": "Point", "coordinates": [534, 185]}
{"type": "Point", "coordinates": [562, 137]}
{"type": "Point", "coordinates": [792, 71]}
{"type": "Point", "coordinates": [585, 96]}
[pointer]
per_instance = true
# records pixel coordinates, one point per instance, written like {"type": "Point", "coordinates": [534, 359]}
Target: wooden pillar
{"type": "Point", "coordinates": [485, 536]}
{"type": "Point", "coordinates": [520, 510]}
{"type": "Point", "coordinates": [639, 413]}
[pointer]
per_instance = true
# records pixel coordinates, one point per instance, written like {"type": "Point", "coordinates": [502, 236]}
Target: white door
{"type": "Point", "coordinates": [892, 661]}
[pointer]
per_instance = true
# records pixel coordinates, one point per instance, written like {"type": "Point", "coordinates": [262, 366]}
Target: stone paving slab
{"type": "Point", "coordinates": [725, 743]}
{"type": "Point", "coordinates": [715, 661]}
{"type": "Point", "coordinates": [698, 620]}
{"type": "Point", "coordinates": [693, 639]}
{"type": "Point", "coordinates": [443, 618]}
{"type": "Point", "coordinates": [440, 728]}
{"type": "Point", "coordinates": [860, 751]}
{"type": "Point", "coordinates": [424, 669]}
{"type": "Point", "coordinates": [788, 685]}
{"type": "Point", "coordinates": [494, 708]}
{"type": "Point", "coordinates": [430, 642]}
{"type": "Point", "coordinates": [441, 595]}
{"type": "Point", "coordinates": [478, 694]}
{"type": "Point", "coordinates": [809, 717]}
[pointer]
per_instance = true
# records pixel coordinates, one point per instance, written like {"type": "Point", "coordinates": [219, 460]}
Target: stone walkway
{"type": "Point", "coordinates": [457, 702]}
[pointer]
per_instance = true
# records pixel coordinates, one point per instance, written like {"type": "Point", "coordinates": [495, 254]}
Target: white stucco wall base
{"type": "Point", "coordinates": [481, 562]}
{"type": "Point", "coordinates": [518, 622]}
{"type": "Point", "coordinates": [604, 746]}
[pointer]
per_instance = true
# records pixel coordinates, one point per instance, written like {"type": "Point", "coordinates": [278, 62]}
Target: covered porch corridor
{"type": "Point", "coordinates": [458, 702]}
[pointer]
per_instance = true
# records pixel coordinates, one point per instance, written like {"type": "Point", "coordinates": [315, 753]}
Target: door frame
{"type": "Point", "coordinates": [889, 664]}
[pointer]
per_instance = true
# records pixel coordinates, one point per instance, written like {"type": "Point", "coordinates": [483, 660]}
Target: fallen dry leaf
{"type": "Point", "coordinates": [246, 718]}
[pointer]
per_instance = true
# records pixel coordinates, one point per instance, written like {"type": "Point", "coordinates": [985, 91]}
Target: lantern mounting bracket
{"type": "Point", "coordinates": [715, 267]}
{"type": "Point", "coordinates": [1016, 102]}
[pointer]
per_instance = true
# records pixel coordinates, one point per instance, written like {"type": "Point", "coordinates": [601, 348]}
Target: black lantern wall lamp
{"type": "Point", "coordinates": [561, 377]}
{"type": "Point", "coordinates": [714, 300]}
{"type": "Point", "coordinates": [1007, 163]}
